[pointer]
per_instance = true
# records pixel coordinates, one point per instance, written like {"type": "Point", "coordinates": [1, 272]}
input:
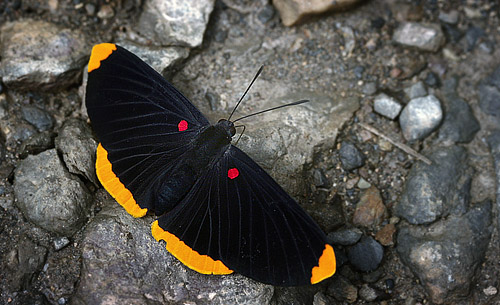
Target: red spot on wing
{"type": "Point", "coordinates": [233, 173]}
{"type": "Point", "coordinates": [183, 125]}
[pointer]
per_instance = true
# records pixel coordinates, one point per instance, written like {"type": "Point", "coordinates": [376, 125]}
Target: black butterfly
{"type": "Point", "coordinates": [218, 211]}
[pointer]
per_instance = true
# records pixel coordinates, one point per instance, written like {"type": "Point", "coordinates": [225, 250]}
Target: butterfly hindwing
{"type": "Point", "coordinates": [143, 123]}
{"type": "Point", "coordinates": [238, 216]}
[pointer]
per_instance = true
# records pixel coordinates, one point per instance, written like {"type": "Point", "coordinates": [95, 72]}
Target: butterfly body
{"type": "Point", "coordinates": [218, 210]}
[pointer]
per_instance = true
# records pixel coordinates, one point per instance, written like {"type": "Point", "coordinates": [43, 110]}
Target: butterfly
{"type": "Point", "coordinates": [218, 211]}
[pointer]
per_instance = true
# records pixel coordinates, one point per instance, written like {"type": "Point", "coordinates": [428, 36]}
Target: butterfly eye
{"type": "Point", "coordinates": [183, 125]}
{"type": "Point", "coordinates": [233, 173]}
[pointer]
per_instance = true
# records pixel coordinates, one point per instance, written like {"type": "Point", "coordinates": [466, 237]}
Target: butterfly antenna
{"type": "Point", "coordinates": [274, 108]}
{"type": "Point", "coordinates": [248, 88]}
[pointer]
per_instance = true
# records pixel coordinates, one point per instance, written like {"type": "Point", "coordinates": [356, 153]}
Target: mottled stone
{"type": "Point", "coordinates": [296, 11]}
{"type": "Point", "coordinates": [427, 37]}
{"type": "Point", "coordinates": [341, 289]}
{"type": "Point", "coordinates": [39, 54]}
{"type": "Point", "coordinates": [370, 210]}
{"type": "Point", "coordinates": [386, 106]}
{"type": "Point", "coordinates": [175, 22]}
{"type": "Point", "coordinates": [345, 237]}
{"type": "Point", "coordinates": [123, 264]}
{"type": "Point", "coordinates": [366, 255]}
{"type": "Point", "coordinates": [420, 117]}
{"type": "Point", "coordinates": [350, 156]}
{"type": "Point", "coordinates": [416, 90]}
{"type": "Point", "coordinates": [446, 255]}
{"type": "Point", "coordinates": [385, 236]}
{"type": "Point", "coordinates": [49, 196]}
{"type": "Point", "coordinates": [37, 117]}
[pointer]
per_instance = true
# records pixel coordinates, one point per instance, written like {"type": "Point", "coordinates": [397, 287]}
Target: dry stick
{"type": "Point", "coordinates": [401, 146]}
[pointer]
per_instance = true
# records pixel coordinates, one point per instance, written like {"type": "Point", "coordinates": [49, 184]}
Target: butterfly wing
{"type": "Point", "coordinates": [236, 217]}
{"type": "Point", "coordinates": [143, 123]}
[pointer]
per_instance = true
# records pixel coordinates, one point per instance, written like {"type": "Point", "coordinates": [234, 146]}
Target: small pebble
{"type": "Point", "coordinates": [427, 37]}
{"type": "Point", "coordinates": [105, 12]}
{"type": "Point", "coordinates": [490, 291]}
{"type": "Point", "coordinates": [420, 117]}
{"type": "Point", "coordinates": [386, 106]}
{"type": "Point", "coordinates": [363, 184]}
{"type": "Point", "coordinates": [350, 156]}
{"type": "Point", "coordinates": [432, 80]}
{"type": "Point", "coordinates": [60, 243]}
{"type": "Point", "coordinates": [90, 9]}
{"type": "Point", "coordinates": [345, 237]}
{"type": "Point", "coordinates": [366, 255]}
{"type": "Point", "coordinates": [416, 90]}
{"type": "Point", "coordinates": [370, 88]}
{"type": "Point", "coordinates": [450, 17]}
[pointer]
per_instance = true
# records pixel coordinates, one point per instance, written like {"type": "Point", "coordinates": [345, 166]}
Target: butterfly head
{"type": "Point", "coordinates": [228, 126]}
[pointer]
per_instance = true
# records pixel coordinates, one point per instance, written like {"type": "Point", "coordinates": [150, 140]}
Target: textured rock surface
{"type": "Point", "coordinates": [175, 22]}
{"type": "Point", "coordinates": [435, 191]}
{"type": "Point", "coordinates": [427, 37]}
{"type": "Point", "coordinates": [446, 255]}
{"type": "Point", "coordinates": [123, 264]}
{"type": "Point", "coordinates": [386, 106]}
{"type": "Point", "coordinates": [40, 54]}
{"type": "Point", "coordinates": [420, 117]}
{"type": "Point", "coordinates": [49, 196]}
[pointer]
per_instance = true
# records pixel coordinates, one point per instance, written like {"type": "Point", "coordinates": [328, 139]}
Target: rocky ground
{"type": "Point", "coordinates": [397, 156]}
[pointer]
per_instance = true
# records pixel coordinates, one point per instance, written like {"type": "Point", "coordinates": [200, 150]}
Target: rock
{"type": "Point", "coordinates": [385, 236]}
{"type": "Point", "coordinates": [489, 94]}
{"type": "Point", "coordinates": [386, 106]}
{"type": "Point", "coordinates": [472, 36]}
{"type": "Point", "coordinates": [416, 90]}
{"type": "Point", "coordinates": [363, 184]}
{"type": "Point", "coordinates": [350, 156]}
{"type": "Point", "coordinates": [296, 11]}
{"type": "Point", "coordinates": [78, 148]}
{"type": "Point", "coordinates": [60, 243]}
{"type": "Point", "coordinates": [161, 59]}
{"type": "Point", "coordinates": [369, 88]}
{"type": "Point", "coordinates": [420, 117]}
{"type": "Point", "coordinates": [437, 190]}
{"type": "Point", "coordinates": [49, 196]}
{"type": "Point", "coordinates": [42, 55]}
{"type": "Point", "coordinates": [37, 117]}
{"type": "Point", "coordinates": [319, 178]}
{"type": "Point", "coordinates": [450, 17]}
{"type": "Point", "coordinates": [459, 124]}
{"type": "Point", "coordinates": [342, 289]}
{"type": "Point", "coordinates": [105, 12]}
{"type": "Point", "coordinates": [123, 263]}
{"type": "Point", "coordinates": [426, 37]}
{"type": "Point", "coordinates": [15, 131]}
{"type": "Point", "coordinates": [345, 237]}
{"type": "Point", "coordinates": [37, 143]}
{"type": "Point", "coordinates": [266, 14]}
{"type": "Point", "coordinates": [494, 144]}
{"type": "Point", "coordinates": [432, 80]}
{"type": "Point", "coordinates": [366, 255]}
{"type": "Point", "coordinates": [446, 255]}
{"type": "Point", "coordinates": [321, 299]}
{"type": "Point", "coordinates": [370, 210]}
{"type": "Point", "coordinates": [175, 22]}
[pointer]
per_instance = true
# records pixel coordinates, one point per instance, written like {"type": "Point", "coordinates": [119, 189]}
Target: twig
{"type": "Point", "coordinates": [401, 146]}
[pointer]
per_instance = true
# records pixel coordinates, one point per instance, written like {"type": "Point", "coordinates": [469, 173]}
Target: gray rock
{"type": "Point", "coordinates": [78, 148]}
{"type": "Point", "coordinates": [420, 117]}
{"type": "Point", "coordinates": [366, 255]}
{"type": "Point", "coordinates": [416, 90]}
{"type": "Point", "coordinates": [161, 59]}
{"type": "Point", "coordinates": [494, 144]}
{"type": "Point", "coordinates": [319, 178]}
{"type": "Point", "coordinates": [446, 255]}
{"type": "Point", "coordinates": [473, 35]}
{"type": "Point", "coordinates": [15, 131]}
{"type": "Point", "coordinates": [345, 237]}
{"type": "Point", "coordinates": [41, 55]}
{"type": "Point", "coordinates": [49, 196]}
{"type": "Point", "coordinates": [386, 106]}
{"type": "Point", "coordinates": [60, 243]}
{"type": "Point", "coordinates": [37, 143]}
{"type": "Point", "coordinates": [175, 22]}
{"type": "Point", "coordinates": [122, 262]}
{"type": "Point", "coordinates": [37, 117]}
{"type": "Point", "coordinates": [459, 123]}
{"type": "Point", "coordinates": [370, 88]}
{"type": "Point", "coordinates": [427, 37]}
{"type": "Point", "coordinates": [437, 190]}
{"type": "Point", "coordinates": [342, 289]}
{"type": "Point", "coordinates": [350, 156]}
{"type": "Point", "coordinates": [450, 17]}
{"type": "Point", "coordinates": [489, 94]}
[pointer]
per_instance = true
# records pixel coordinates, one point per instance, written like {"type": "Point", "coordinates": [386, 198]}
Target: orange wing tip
{"type": "Point", "coordinates": [113, 185]}
{"type": "Point", "coordinates": [192, 259]}
{"type": "Point", "coordinates": [326, 265]}
{"type": "Point", "coordinates": [99, 53]}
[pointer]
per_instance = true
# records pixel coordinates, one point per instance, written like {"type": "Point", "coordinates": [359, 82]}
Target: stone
{"type": "Point", "coordinates": [122, 263]}
{"type": "Point", "coordinates": [489, 94]}
{"type": "Point", "coordinates": [78, 148]}
{"type": "Point", "coordinates": [416, 90]}
{"type": "Point", "coordinates": [295, 11]}
{"type": "Point", "coordinates": [435, 191]}
{"type": "Point", "coordinates": [385, 236]}
{"type": "Point", "coordinates": [426, 37]}
{"type": "Point", "coordinates": [459, 123]}
{"type": "Point", "coordinates": [494, 144]}
{"type": "Point", "coordinates": [37, 143]}
{"type": "Point", "coordinates": [370, 88]}
{"type": "Point", "coordinates": [450, 17]}
{"type": "Point", "coordinates": [342, 289]}
{"type": "Point", "coordinates": [386, 106]}
{"type": "Point", "coordinates": [175, 22]}
{"type": "Point", "coordinates": [37, 117]}
{"type": "Point", "coordinates": [15, 131]}
{"type": "Point", "coordinates": [366, 255]}
{"type": "Point", "coordinates": [39, 54]}
{"type": "Point", "coordinates": [49, 196]}
{"type": "Point", "coordinates": [60, 243]}
{"type": "Point", "coordinates": [350, 156]}
{"type": "Point", "coordinates": [420, 117]}
{"type": "Point", "coordinates": [370, 210]}
{"type": "Point", "coordinates": [319, 178]}
{"type": "Point", "coordinates": [446, 255]}
{"type": "Point", "coordinates": [345, 237]}
{"type": "Point", "coordinates": [473, 35]}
